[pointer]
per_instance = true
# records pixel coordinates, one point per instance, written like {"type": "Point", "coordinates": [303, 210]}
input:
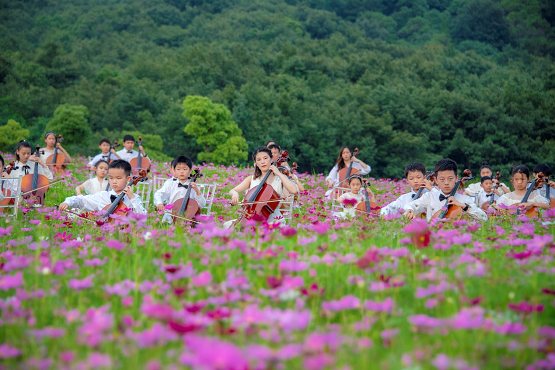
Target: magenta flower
{"type": "Point", "coordinates": [212, 354]}
{"type": "Point", "coordinates": [419, 233]}
{"type": "Point", "coordinates": [345, 303]}
{"type": "Point", "coordinates": [99, 360]}
{"type": "Point", "coordinates": [426, 321]}
{"type": "Point", "coordinates": [510, 328]}
{"type": "Point", "coordinates": [114, 244]}
{"type": "Point", "coordinates": [376, 306]}
{"type": "Point", "coordinates": [8, 282]}
{"type": "Point", "coordinates": [319, 361]}
{"type": "Point", "coordinates": [320, 228]}
{"type": "Point", "coordinates": [288, 231]}
{"type": "Point", "coordinates": [525, 307]}
{"type": "Point", "coordinates": [7, 351]}
{"type": "Point", "coordinates": [76, 284]}
{"type": "Point", "coordinates": [202, 279]}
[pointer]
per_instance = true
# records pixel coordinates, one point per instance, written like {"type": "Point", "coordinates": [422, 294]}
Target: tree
{"type": "Point", "coordinates": [214, 128]}
{"type": "Point", "coordinates": [71, 122]}
{"type": "Point", "coordinates": [11, 134]}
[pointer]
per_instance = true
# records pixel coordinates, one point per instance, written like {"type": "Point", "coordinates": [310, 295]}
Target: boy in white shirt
{"type": "Point", "coordinates": [107, 153]}
{"type": "Point", "coordinates": [176, 188]}
{"type": "Point", "coordinates": [432, 202]}
{"type": "Point", "coordinates": [120, 175]}
{"type": "Point", "coordinates": [415, 173]}
{"type": "Point", "coordinates": [128, 153]}
{"type": "Point", "coordinates": [487, 195]}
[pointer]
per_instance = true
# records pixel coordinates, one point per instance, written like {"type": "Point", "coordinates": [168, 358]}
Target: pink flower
{"type": "Point", "coordinates": [86, 283]}
{"type": "Point", "coordinates": [371, 257]}
{"type": "Point", "coordinates": [8, 282]}
{"type": "Point", "coordinates": [98, 360]}
{"type": "Point", "coordinates": [212, 354]}
{"type": "Point", "coordinates": [202, 279]}
{"type": "Point", "coordinates": [420, 234]}
{"type": "Point", "coordinates": [441, 362]}
{"type": "Point", "coordinates": [385, 306]}
{"type": "Point", "coordinates": [348, 302]}
{"type": "Point", "coordinates": [525, 307]}
{"type": "Point", "coordinates": [320, 228]}
{"type": "Point", "coordinates": [7, 351]}
{"type": "Point", "coordinates": [510, 328]}
{"type": "Point", "coordinates": [114, 244]}
{"type": "Point", "coordinates": [288, 231]}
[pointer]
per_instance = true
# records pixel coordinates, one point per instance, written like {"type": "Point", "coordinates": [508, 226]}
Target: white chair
{"type": "Point", "coordinates": [287, 205]}
{"type": "Point", "coordinates": [144, 189]}
{"type": "Point", "coordinates": [207, 191]}
{"type": "Point", "coordinates": [11, 184]}
{"type": "Point", "coordinates": [340, 191]}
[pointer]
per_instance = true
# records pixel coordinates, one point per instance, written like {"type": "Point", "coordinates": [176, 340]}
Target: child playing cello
{"type": "Point", "coordinates": [344, 160]}
{"type": "Point", "coordinates": [520, 175]}
{"type": "Point", "coordinates": [351, 199]}
{"type": "Point", "coordinates": [415, 173]}
{"type": "Point", "coordinates": [473, 190]}
{"type": "Point", "coordinates": [52, 143]}
{"type": "Point", "coordinates": [488, 195]}
{"type": "Point", "coordinates": [107, 153]}
{"type": "Point", "coordinates": [176, 188]}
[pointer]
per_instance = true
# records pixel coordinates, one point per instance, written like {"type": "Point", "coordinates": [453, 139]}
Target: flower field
{"type": "Point", "coordinates": [316, 294]}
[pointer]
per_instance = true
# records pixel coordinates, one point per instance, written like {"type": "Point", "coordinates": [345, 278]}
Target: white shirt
{"type": "Point", "coordinates": [474, 189]}
{"type": "Point", "coordinates": [483, 197]}
{"type": "Point", "coordinates": [171, 191]}
{"type": "Point", "coordinates": [431, 204]}
{"type": "Point", "coordinates": [93, 186]}
{"type": "Point", "coordinates": [543, 192]}
{"type": "Point", "coordinates": [397, 205]}
{"type": "Point", "coordinates": [97, 202]}
{"type": "Point", "coordinates": [128, 156]}
{"type": "Point", "coordinates": [100, 156]}
{"type": "Point", "coordinates": [511, 198]}
{"type": "Point", "coordinates": [334, 174]}
{"type": "Point", "coordinates": [19, 170]}
{"type": "Point", "coordinates": [47, 153]}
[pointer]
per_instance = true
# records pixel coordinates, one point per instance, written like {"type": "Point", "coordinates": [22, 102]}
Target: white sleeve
{"type": "Point", "coordinates": [363, 171]}
{"type": "Point", "coordinates": [162, 195]}
{"type": "Point", "coordinates": [138, 206]}
{"type": "Point", "coordinates": [392, 208]}
{"type": "Point", "coordinates": [46, 172]}
{"type": "Point", "coordinates": [538, 198]}
{"type": "Point", "coordinates": [93, 160]}
{"type": "Point", "coordinates": [333, 176]}
{"type": "Point", "coordinates": [418, 206]}
{"type": "Point", "coordinates": [76, 201]}
{"type": "Point", "coordinates": [200, 200]}
{"type": "Point", "coordinates": [476, 212]}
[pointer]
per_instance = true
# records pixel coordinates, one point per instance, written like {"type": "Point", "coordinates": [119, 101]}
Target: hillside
{"type": "Point", "coordinates": [401, 80]}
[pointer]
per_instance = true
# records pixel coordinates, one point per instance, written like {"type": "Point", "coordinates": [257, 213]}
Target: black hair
{"type": "Point", "coordinates": [261, 149]}
{"type": "Point", "coordinates": [340, 162]}
{"type": "Point", "coordinates": [100, 161]}
{"type": "Point", "coordinates": [105, 141]}
{"type": "Point", "coordinates": [128, 138]}
{"type": "Point", "coordinates": [270, 141]}
{"type": "Point", "coordinates": [2, 160]}
{"type": "Point", "coordinates": [122, 165]}
{"type": "Point", "coordinates": [351, 178]}
{"type": "Point", "coordinates": [543, 168]}
{"type": "Point", "coordinates": [484, 179]}
{"type": "Point", "coordinates": [182, 159]}
{"type": "Point", "coordinates": [521, 169]}
{"type": "Point", "coordinates": [50, 133]}
{"type": "Point", "coordinates": [415, 166]}
{"type": "Point", "coordinates": [446, 164]}
{"type": "Point", "coordinates": [274, 146]}
{"type": "Point", "coordinates": [22, 144]}
{"type": "Point", "coordinates": [486, 165]}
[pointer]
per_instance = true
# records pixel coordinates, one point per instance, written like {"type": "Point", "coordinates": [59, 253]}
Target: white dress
{"type": "Point", "coordinates": [278, 187]}
{"type": "Point", "coordinates": [349, 211]}
{"type": "Point", "coordinates": [334, 175]}
{"type": "Point", "coordinates": [511, 198]}
{"type": "Point", "coordinates": [93, 186]}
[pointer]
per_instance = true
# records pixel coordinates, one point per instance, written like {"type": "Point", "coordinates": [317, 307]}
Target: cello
{"type": "Point", "coordinates": [491, 202]}
{"type": "Point", "coordinates": [548, 192]}
{"type": "Point", "coordinates": [140, 162]}
{"type": "Point", "coordinates": [535, 184]}
{"type": "Point", "coordinates": [367, 206]}
{"type": "Point", "coordinates": [450, 211]}
{"type": "Point", "coordinates": [262, 200]}
{"type": "Point", "coordinates": [289, 173]}
{"type": "Point", "coordinates": [117, 207]}
{"type": "Point", "coordinates": [35, 184]}
{"type": "Point", "coordinates": [6, 202]}
{"type": "Point", "coordinates": [116, 144]}
{"type": "Point", "coordinates": [56, 159]}
{"type": "Point", "coordinates": [187, 207]}
{"type": "Point", "coordinates": [429, 177]}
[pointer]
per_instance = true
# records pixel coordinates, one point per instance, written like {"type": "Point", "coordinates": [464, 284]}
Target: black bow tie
{"type": "Point", "coordinates": [112, 198]}
{"type": "Point", "coordinates": [180, 185]}
{"type": "Point", "coordinates": [26, 168]}
{"type": "Point", "coordinates": [130, 151]}
{"type": "Point", "coordinates": [443, 197]}
{"type": "Point", "coordinates": [490, 195]}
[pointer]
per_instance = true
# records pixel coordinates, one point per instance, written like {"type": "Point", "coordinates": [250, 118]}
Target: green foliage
{"type": "Point", "coordinates": [401, 79]}
{"type": "Point", "coordinates": [214, 128]}
{"type": "Point", "coordinates": [11, 134]}
{"type": "Point", "coordinates": [71, 122]}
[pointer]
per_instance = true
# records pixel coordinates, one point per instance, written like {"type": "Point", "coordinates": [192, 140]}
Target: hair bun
{"type": "Point", "coordinates": [485, 163]}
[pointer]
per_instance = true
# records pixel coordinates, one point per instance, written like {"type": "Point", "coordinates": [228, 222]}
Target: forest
{"type": "Point", "coordinates": [401, 80]}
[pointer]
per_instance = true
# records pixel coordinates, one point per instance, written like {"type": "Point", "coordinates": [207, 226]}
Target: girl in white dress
{"type": "Point", "coordinates": [262, 164]}
{"type": "Point", "coordinates": [351, 199]}
{"type": "Point", "coordinates": [485, 171]}
{"type": "Point", "coordinates": [51, 143]}
{"type": "Point", "coordinates": [98, 183]}
{"type": "Point", "coordinates": [343, 161]}
{"type": "Point", "coordinates": [520, 176]}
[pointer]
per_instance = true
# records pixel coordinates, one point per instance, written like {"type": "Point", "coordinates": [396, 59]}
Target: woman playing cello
{"type": "Point", "coordinates": [262, 166]}
{"type": "Point", "coordinates": [346, 162]}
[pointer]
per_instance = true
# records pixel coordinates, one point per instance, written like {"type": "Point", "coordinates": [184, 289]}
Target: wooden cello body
{"type": "Point", "coordinates": [35, 186]}
{"type": "Point", "coordinates": [449, 211]}
{"type": "Point", "coordinates": [534, 185]}
{"type": "Point", "coordinates": [262, 200]}
{"type": "Point", "coordinates": [6, 192]}
{"type": "Point", "coordinates": [57, 160]}
{"type": "Point", "coordinates": [367, 207]}
{"type": "Point", "coordinates": [187, 207]}
{"type": "Point", "coordinates": [140, 162]}
{"type": "Point", "coordinates": [117, 207]}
